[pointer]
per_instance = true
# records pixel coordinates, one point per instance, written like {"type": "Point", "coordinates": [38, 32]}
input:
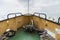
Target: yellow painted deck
{"type": "Point", "coordinates": [19, 21]}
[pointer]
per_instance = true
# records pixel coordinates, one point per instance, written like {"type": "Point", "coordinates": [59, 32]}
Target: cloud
{"type": "Point", "coordinates": [50, 7]}
{"type": "Point", "coordinates": [9, 6]}
{"type": "Point", "coordinates": [46, 2]}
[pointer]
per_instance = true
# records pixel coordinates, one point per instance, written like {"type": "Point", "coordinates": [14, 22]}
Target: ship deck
{"type": "Point", "coordinates": [21, 34]}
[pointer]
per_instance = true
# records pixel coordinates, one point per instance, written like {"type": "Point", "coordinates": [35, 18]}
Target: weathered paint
{"type": "Point", "coordinates": [40, 23]}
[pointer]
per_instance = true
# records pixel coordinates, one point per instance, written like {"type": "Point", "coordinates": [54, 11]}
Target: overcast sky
{"type": "Point", "coordinates": [50, 7]}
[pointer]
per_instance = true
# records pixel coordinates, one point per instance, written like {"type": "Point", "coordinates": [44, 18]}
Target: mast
{"type": "Point", "coordinates": [28, 7]}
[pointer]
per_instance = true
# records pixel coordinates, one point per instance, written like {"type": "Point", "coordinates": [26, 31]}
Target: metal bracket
{"type": "Point", "coordinates": [41, 14]}
{"type": "Point", "coordinates": [13, 14]}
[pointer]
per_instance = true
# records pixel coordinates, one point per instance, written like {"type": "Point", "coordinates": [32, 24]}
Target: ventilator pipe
{"type": "Point", "coordinates": [59, 20]}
